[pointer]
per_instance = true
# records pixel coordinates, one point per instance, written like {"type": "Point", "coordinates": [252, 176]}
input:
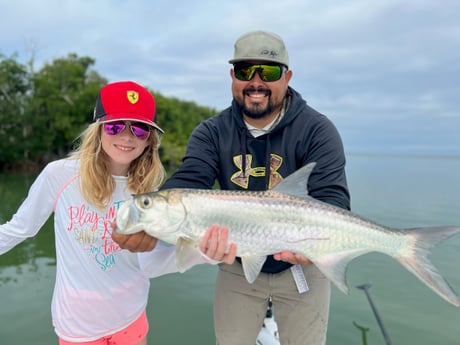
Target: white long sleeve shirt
{"type": "Point", "coordinates": [100, 288]}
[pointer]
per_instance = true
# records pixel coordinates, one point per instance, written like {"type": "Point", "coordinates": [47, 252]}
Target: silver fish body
{"type": "Point", "coordinates": [284, 218]}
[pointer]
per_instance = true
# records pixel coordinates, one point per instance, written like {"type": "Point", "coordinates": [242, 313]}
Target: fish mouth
{"type": "Point", "coordinates": [127, 216]}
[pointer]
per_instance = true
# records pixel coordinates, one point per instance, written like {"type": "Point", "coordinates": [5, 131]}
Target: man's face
{"type": "Point", "coordinates": [258, 98]}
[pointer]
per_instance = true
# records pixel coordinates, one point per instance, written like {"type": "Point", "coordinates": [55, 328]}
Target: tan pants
{"type": "Point", "coordinates": [240, 307]}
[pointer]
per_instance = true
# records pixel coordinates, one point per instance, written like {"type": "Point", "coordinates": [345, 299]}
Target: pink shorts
{"type": "Point", "coordinates": [130, 335]}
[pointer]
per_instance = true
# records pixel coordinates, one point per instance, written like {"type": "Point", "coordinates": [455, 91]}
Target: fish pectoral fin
{"type": "Point", "coordinates": [252, 266]}
{"type": "Point", "coordinates": [334, 267]}
{"type": "Point", "coordinates": [186, 253]}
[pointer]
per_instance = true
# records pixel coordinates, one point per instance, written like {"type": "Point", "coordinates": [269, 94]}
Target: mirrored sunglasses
{"type": "Point", "coordinates": [138, 129]}
{"type": "Point", "coordinates": [266, 72]}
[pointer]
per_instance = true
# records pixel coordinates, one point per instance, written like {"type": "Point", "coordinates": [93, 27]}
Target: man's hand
{"type": "Point", "coordinates": [138, 242]}
{"type": "Point", "coordinates": [214, 245]}
{"type": "Point", "coordinates": [292, 258]}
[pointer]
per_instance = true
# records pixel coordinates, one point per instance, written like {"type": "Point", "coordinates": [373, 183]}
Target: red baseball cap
{"type": "Point", "coordinates": [125, 100]}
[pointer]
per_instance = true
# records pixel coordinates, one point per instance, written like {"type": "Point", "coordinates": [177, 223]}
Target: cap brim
{"type": "Point", "coordinates": [150, 123]}
{"type": "Point", "coordinates": [234, 61]}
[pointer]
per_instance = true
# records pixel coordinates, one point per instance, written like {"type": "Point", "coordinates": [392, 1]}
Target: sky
{"type": "Point", "coordinates": [385, 72]}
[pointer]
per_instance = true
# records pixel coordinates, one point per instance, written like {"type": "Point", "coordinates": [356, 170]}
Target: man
{"type": "Point", "coordinates": [266, 134]}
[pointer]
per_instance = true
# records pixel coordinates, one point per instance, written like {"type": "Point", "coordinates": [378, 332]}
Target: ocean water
{"type": "Point", "coordinates": [397, 191]}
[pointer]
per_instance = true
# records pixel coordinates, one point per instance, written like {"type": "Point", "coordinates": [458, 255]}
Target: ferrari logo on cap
{"type": "Point", "coordinates": [132, 96]}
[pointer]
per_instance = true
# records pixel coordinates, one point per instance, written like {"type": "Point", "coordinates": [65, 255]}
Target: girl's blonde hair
{"type": "Point", "coordinates": [145, 174]}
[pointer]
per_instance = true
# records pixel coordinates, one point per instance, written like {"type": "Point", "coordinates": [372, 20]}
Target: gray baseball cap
{"type": "Point", "coordinates": [260, 45]}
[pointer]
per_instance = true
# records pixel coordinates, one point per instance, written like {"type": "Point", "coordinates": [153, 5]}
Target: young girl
{"type": "Point", "coordinates": [101, 291]}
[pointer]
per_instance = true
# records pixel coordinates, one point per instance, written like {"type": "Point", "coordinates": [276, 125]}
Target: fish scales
{"type": "Point", "coordinates": [287, 223]}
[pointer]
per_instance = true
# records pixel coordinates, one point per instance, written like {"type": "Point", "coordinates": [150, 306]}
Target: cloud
{"type": "Point", "coordinates": [374, 65]}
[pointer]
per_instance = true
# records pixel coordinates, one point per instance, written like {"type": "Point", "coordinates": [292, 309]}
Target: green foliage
{"type": "Point", "coordinates": [14, 89]}
{"type": "Point", "coordinates": [64, 96]}
{"type": "Point", "coordinates": [41, 113]}
{"type": "Point", "coordinates": [178, 119]}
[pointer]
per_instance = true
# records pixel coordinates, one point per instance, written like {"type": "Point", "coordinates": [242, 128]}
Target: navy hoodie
{"type": "Point", "coordinates": [222, 149]}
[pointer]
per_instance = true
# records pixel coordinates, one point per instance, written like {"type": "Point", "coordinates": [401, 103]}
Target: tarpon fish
{"type": "Point", "coordinates": [285, 218]}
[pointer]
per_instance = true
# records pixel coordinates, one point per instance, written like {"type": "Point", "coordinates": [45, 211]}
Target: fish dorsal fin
{"type": "Point", "coordinates": [252, 266]}
{"type": "Point", "coordinates": [296, 183]}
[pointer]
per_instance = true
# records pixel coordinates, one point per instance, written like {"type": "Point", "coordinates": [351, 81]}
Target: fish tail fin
{"type": "Point", "coordinates": [414, 258]}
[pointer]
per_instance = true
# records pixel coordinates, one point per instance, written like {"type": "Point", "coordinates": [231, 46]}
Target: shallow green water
{"type": "Point", "coordinates": [395, 191]}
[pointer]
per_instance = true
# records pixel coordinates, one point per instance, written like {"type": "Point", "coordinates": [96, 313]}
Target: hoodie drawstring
{"type": "Point", "coordinates": [268, 149]}
{"type": "Point", "coordinates": [244, 139]}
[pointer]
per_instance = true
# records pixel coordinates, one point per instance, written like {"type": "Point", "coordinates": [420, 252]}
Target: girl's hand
{"type": "Point", "coordinates": [138, 242]}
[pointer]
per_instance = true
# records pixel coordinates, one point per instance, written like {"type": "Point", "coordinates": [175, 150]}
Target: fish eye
{"type": "Point", "coordinates": [146, 201]}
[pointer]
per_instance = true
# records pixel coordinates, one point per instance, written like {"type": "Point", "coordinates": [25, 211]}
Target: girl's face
{"type": "Point", "coordinates": [123, 141]}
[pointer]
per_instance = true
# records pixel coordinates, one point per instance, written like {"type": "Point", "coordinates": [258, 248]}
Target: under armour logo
{"type": "Point", "coordinates": [241, 178]}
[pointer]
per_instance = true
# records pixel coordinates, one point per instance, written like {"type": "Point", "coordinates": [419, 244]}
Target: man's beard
{"type": "Point", "coordinates": [256, 111]}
